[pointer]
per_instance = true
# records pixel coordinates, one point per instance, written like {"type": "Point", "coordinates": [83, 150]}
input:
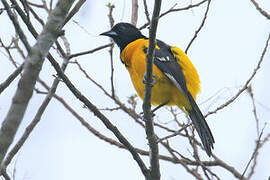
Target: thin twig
{"type": "Point", "coordinates": [45, 6]}
{"type": "Point", "coordinates": [34, 122]}
{"type": "Point", "coordinates": [146, 11]}
{"type": "Point", "coordinates": [134, 12]}
{"type": "Point", "coordinates": [200, 27]}
{"type": "Point", "coordinates": [246, 84]}
{"type": "Point", "coordinates": [111, 19]}
{"type": "Point", "coordinates": [89, 51]}
{"type": "Point", "coordinates": [255, 152]}
{"type": "Point", "coordinates": [76, 8]}
{"type": "Point", "coordinates": [250, 92]}
{"type": "Point", "coordinates": [172, 9]}
{"type": "Point", "coordinates": [102, 117]}
{"type": "Point", "coordinates": [24, 18]}
{"type": "Point", "coordinates": [174, 134]}
{"type": "Point", "coordinates": [263, 12]}
{"type": "Point", "coordinates": [7, 49]}
{"type": "Point", "coordinates": [36, 5]}
{"type": "Point", "coordinates": [25, 7]}
{"type": "Point", "coordinates": [252, 169]}
{"type": "Point", "coordinates": [229, 168]}
{"type": "Point", "coordinates": [36, 16]}
{"type": "Point", "coordinates": [7, 82]}
{"type": "Point", "coordinates": [17, 26]}
{"type": "Point", "coordinates": [123, 107]}
{"type": "Point", "coordinates": [184, 162]}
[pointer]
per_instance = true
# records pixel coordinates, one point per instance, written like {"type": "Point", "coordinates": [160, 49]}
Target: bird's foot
{"type": "Point", "coordinates": [153, 80]}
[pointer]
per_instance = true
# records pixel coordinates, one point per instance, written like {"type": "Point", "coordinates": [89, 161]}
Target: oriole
{"type": "Point", "coordinates": [176, 79]}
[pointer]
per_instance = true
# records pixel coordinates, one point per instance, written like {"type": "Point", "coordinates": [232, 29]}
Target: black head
{"type": "Point", "coordinates": [123, 34]}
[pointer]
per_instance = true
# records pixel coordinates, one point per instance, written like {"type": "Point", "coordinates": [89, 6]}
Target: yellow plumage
{"type": "Point", "coordinates": [176, 79]}
{"type": "Point", "coordinates": [164, 90]}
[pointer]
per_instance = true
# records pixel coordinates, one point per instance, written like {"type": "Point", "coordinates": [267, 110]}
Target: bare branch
{"type": "Point", "coordinates": [245, 85]}
{"type": "Point", "coordinates": [228, 167]}
{"type": "Point", "coordinates": [25, 18]}
{"type": "Point", "coordinates": [34, 122]}
{"type": "Point", "coordinates": [173, 9]}
{"type": "Point", "coordinates": [184, 8]}
{"type": "Point", "coordinates": [123, 107]}
{"type": "Point", "coordinates": [89, 51]}
{"type": "Point", "coordinates": [16, 25]}
{"type": "Point", "coordinates": [35, 5]}
{"type": "Point", "coordinates": [74, 10]}
{"type": "Point", "coordinates": [36, 16]}
{"type": "Point", "coordinates": [32, 67]}
{"type": "Point", "coordinates": [149, 126]}
{"type": "Point", "coordinates": [262, 142]}
{"type": "Point", "coordinates": [200, 27]}
{"type": "Point", "coordinates": [134, 13]}
{"type": "Point", "coordinates": [184, 161]}
{"type": "Point", "coordinates": [250, 92]}
{"type": "Point", "coordinates": [7, 82]}
{"type": "Point", "coordinates": [111, 19]}
{"type": "Point", "coordinates": [7, 49]}
{"type": "Point", "coordinates": [146, 11]}
{"type": "Point", "coordinates": [263, 12]}
{"type": "Point", "coordinates": [103, 118]}
{"type": "Point", "coordinates": [174, 134]}
{"type": "Point", "coordinates": [255, 153]}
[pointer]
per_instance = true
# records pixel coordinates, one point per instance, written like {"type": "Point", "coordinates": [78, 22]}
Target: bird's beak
{"type": "Point", "coordinates": [109, 33]}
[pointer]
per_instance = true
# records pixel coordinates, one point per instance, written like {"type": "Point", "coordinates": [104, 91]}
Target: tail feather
{"type": "Point", "coordinates": [201, 126]}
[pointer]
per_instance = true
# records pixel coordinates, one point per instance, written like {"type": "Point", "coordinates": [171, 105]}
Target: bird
{"type": "Point", "coordinates": [176, 81]}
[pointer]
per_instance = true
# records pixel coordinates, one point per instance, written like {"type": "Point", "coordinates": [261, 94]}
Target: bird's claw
{"type": "Point", "coordinates": [153, 80]}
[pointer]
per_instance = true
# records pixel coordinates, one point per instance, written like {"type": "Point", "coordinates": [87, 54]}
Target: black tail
{"type": "Point", "coordinates": [201, 126]}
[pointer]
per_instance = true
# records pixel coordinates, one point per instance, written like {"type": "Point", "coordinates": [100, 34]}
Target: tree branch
{"type": "Point", "coordinates": [200, 27]}
{"type": "Point", "coordinates": [111, 19]}
{"type": "Point", "coordinates": [255, 153]}
{"type": "Point", "coordinates": [7, 82]}
{"type": "Point", "coordinates": [32, 67]}
{"type": "Point", "coordinates": [34, 122]}
{"type": "Point", "coordinates": [17, 26]}
{"type": "Point", "coordinates": [146, 11]}
{"type": "Point", "coordinates": [103, 118]}
{"type": "Point", "coordinates": [134, 13]}
{"type": "Point", "coordinates": [184, 8]}
{"type": "Point", "coordinates": [152, 140]}
{"type": "Point", "coordinates": [245, 85]}
{"type": "Point", "coordinates": [172, 9]}
{"type": "Point", "coordinates": [89, 51]}
{"type": "Point", "coordinates": [74, 10]}
{"type": "Point", "coordinates": [263, 12]}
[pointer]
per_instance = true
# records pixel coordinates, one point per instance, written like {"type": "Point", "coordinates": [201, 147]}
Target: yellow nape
{"type": "Point", "coordinates": [134, 58]}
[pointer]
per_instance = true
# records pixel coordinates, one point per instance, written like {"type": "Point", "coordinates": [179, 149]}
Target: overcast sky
{"type": "Point", "coordinates": [225, 54]}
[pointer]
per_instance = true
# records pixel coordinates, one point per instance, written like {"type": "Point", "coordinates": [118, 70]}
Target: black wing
{"type": "Point", "coordinates": [166, 62]}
